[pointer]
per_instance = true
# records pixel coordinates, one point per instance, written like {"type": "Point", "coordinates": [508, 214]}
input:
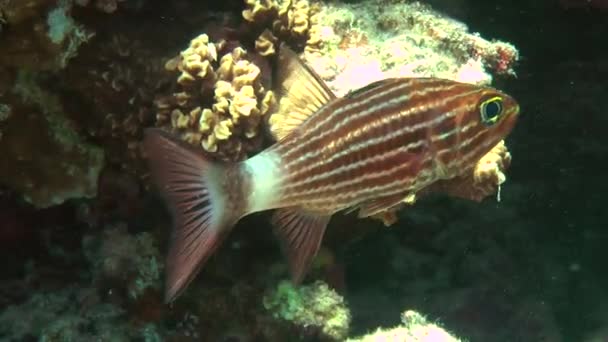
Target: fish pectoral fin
{"type": "Point", "coordinates": [300, 234]}
{"type": "Point", "coordinates": [302, 93]}
{"type": "Point", "coordinates": [381, 204]}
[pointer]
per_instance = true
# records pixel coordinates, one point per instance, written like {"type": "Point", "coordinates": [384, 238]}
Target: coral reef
{"type": "Point", "coordinates": [124, 72]}
{"type": "Point", "coordinates": [63, 316]}
{"type": "Point", "coordinates": [415, 328]}
{"type": "Point", "coordinates": [114, 262]}
{"type": "Point", "coordinates": [50, 163]}
{"type": "Point", "coordinates": [374, 40]}
{"type": "Point", "coordinates": [42, 36]}
{"type": "Point", "coordinates": [230, 125]}
{"type": "Point", "coordinates": [313, 306]}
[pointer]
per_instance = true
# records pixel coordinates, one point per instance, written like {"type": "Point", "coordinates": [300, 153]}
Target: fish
{"type": "Point", "coordinates": [365, 151]}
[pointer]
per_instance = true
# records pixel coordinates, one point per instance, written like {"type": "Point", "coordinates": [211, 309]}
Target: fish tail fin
{"type": "Point", "coordinates": [205, 201]}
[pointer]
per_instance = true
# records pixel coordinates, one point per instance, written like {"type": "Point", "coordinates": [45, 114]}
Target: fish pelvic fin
{"type": "Point", "coordinates": [381, 204]}
{"type": "Point", "coordinates": [302, 92]}
{"type": "Point", "coordinates": [300, 234]}
{"type": "Point", "coordinates": [204, 199]}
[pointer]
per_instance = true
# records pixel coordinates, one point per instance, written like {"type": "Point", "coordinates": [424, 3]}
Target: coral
{"type": "Point", "coordinates": [415, 328]}
{"type": "Point", "coordinates": [291, 21]}
{"type": "Point", "coordinates": [229, 126]}
{"type": "Point", "coordinates": [121, 258]}
{"type": "Point", "coordinates": [71, 314]}
{"type": "Point", "coordinates": [42, 37]}
{"type": "Point", "coordinates": [373, 40]}
{"type": "Point", "coordinates": [49, 162]}
{"type": "Point", "coordinates": [115, 79]}
{"type": "Point", "coordinates": [309, 306]}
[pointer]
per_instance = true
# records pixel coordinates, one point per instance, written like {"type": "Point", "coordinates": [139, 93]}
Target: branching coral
{"type": "Point", "coordinates": [292, 21]}
{"type": "Point", "coordinates": [230, 124]}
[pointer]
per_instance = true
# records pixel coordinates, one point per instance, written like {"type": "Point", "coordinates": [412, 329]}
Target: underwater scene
{"type": "Point", "coordinates": [303, 170]}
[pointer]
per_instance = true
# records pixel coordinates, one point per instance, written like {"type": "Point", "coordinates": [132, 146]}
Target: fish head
{"type": "Point", "coordinates": [497, 112]}
{"type": "Point", "coordinates": [484, 117]}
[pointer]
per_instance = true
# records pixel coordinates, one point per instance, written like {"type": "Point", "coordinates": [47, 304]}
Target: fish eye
{"type": "Point", "coordinates": [490, 110]}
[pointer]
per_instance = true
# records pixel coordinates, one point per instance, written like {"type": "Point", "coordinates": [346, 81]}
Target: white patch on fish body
{"type": "Point", "coordinates": [265, 181]}
{"type": "Point", "coordinates": [212, 179]}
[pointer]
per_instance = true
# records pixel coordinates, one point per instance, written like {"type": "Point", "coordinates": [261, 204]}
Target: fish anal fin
{"type": "Point", "coordinates": [301, 90]}
{"type": "Point", "coordinates": [300, 234]}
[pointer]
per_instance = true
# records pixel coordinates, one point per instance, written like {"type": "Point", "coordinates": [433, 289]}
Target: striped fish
{"type": "Point", "coordinates": [367, 151]}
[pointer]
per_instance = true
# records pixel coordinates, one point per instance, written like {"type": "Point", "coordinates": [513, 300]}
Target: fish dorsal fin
{"type": "Point", "coordinates": [302, 93]}
{"type": "Point", "coordinates": [300, 234]}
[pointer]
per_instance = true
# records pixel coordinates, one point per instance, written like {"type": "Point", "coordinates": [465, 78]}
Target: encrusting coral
{"type": "Point", "coordinates": [113, 261]}
{"type": "Point", "coordinates": [42, 36]}
{"type": "Point", "coordinates": [46, 161]}
{"type": "Point", "coordinates": [228, 126]}
{"type": "Point", "coordinates": [313, 306]}
{"type": "Point", "coordinates": [414, 328]}
{"type": "Point", "coordinates": [374, 40]}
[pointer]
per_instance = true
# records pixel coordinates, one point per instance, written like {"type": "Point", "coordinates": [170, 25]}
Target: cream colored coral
{"type": "Point", "coordinates": [292, 21]}
{"type": "Point", "coordinates": [195, 63]}
{"type": "Point", "coordinates": [265, 43]}
{"type": "Point", "coordinates": [256, 10]}
{"type": "Point", "coordinates": [221, 100]}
